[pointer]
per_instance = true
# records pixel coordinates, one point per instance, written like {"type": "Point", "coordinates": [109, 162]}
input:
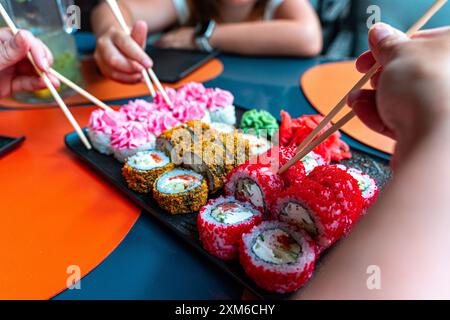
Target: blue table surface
{"type": "Point", "coordinates": [152, 263]}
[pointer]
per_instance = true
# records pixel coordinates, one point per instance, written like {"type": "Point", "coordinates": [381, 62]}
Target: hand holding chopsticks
{"type": "Point", "coordinates": [308, 144]}
{"type": "Point", "coordinates": [146, 72]}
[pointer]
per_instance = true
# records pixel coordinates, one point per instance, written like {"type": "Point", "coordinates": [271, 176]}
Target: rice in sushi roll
{"type": "Point", "coordinates": [130, 138]}
{"type": "Point", "coordinates": [313, 208]}
{"type": "Point", "coordinates": [222, 127]}
{"type": "Point", "coordinates": [180, 191]}
{"type": "Point", "coordinates": [142, 169]}
{"type": "Point", "coordinates": [220, 106]}
{"type": "Point", "coordinates": [312, 160]}
{"type": "Point", "coordinates": [101, 125]}
{"type": "Point", "coordinates": [277, 257]}
{"type": "Point", "coordinates": [256, 184]}
{"type": "Point", "coordinates": [258, 145]}
{"type": "Point", "coordinates": [221, 224]}
{"type": "Point", "coordinates": [367, 185]}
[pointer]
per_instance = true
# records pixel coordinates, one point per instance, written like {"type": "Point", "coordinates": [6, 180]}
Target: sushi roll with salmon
{"type": "Point", "coordinates": [142, 169]}
{"type": "Point", "coordinates": [180, 191]}
{"type": "Point", "coordinates": [278, 257]}
{"type": "Point", "coordinates": [256, 184]}
{"type": "Point", "coordinates": [101, 125]}
{"type": "Point", "coordinates": [221, 224]}
{"type": "Point", "coordinates": [315, 209]}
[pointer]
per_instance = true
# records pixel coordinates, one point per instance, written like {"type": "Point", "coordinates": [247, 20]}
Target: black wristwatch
{"type": "Point", "coordinates": [203, 33]}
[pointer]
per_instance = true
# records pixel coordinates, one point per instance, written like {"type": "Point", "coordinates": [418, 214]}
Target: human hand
{"type": "Point", "coordinates": [182, 38]}
{"type": "Point", "coordinates": [120, 56]}
{"type": "Point", "coordinates": [16, 72]}
{"type": "Point", "coordinates": [411, 93]}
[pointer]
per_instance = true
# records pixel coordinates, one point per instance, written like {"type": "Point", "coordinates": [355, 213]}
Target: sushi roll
{"type": "Point", "coordinates": [180, 191]}
{"type": "Point", "coordinates": [277, 257]}
{"type": "Point", "coordinates": [221, 224]}
{"type": "Point", "coordinates": [345, 188]}
{"type": "Point", "coordinates": [312, 160]}
{"type": "Point", "coordinates": [258, 145]}
{"type": "Point", "coordinates": [313, 208]}
{"type": "Point", "coordinates": [222, 127]}
{"type": "Point", "coordinates": [130, 138]}
{"type": "Point", "coordinates": [101, 125]}
{"type": "Point", "coordinates": [256, 184]}
{"type": "Point", "coordinates": [142, 169]}
{"type": "Point", "coordinates": [220, 106]}
{"type": "Point", "coordinates": [367, 185]}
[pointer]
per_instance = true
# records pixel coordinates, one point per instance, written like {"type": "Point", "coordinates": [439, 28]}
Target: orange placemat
{"type": "Point", "coordinates": [54, 211]}
{"type": "Point", "coordinates": [326, 84]}
{"type": "Point", "coordinates": [108, 90]}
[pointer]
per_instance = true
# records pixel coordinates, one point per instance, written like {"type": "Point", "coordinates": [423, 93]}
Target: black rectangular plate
{"type": "Point", "coordinates": [172, 65]}
{"type": "Point", "coordinates": [8, 144]}
{"type": "Point", "coordinates": [185, 226]}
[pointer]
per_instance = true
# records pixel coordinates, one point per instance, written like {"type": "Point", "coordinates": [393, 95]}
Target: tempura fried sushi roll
{"type": "Point", "coordinates": [142, 169]}
{"type": "Point", "coordinates": [256, 184]}
{"type": "Point", "coordinates": [314, 208]}
{"type": "Point", "coordinates": [209, 160]}
{"type": "Point", "coordinates": [277, 257]}
{"type": "Point", "coordinates": [180, 191]}
{"type": "Point", "coordinates": [367, 185]}
{"type": "Point", "coordinates": [175, 141]}
{"type": "Point", "coordinates": [346, 189]}
{"type": "Point", "coordinates": [221, 224]}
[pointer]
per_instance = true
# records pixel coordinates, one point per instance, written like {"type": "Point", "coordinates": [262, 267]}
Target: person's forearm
{"type": "Point", "coordinates": [279, 37]}
{"type": "Point", "coordinates": [406, 235]}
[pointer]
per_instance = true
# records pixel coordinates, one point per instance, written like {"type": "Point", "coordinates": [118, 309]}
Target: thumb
{"type": "Point", "coordinates": [384, 41]}
{"type": "Point", "coordinates": [14, 50]}
{"type": "Point", "coordinates": [139, 33]}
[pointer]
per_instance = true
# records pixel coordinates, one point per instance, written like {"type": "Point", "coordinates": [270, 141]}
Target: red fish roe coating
{"type": "Point", "coordinates": [330, 221]}
{"type": "Point", "coordinates": [277, 157]}
{"type": "Point", "coordinates": [279, 279]}
{"type": "Point", "coordinates": [345, 188]}
{"type": "Point", "coordinates": [266, 178]}
{"type": "Point", "coordinates": [219, 239]}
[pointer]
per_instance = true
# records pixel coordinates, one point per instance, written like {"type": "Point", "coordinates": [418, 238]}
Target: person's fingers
{"type": "Point", "coordinates": [131, 49]}
{"type": "Point", "coordinates": [375, 80]}
{"type": "Point", "coordinates": [14, 49]}
{"type": "Point", "coordinates": [431, 33]}
{"type": "Point", "coordinates": [365, 62]}
{"type": "Point", "coordinates": [385, 41]}
{"type": "Point", "coordinates": [363, 103]}
{"type": "Point", "coordinates": [27, 83]}
{"type": "Point", "coordinates": [114, 59]}
{"type": "Point", "coordinates": [5, 34]}
{"type": "Point", "coordinates": [48, 53]}
{"type": "Point", "coordinates": [118, 76]}
{"type": "Point", "coordinates": [39, 54]}
{"type": "Point", "coordinates": [139, 33]}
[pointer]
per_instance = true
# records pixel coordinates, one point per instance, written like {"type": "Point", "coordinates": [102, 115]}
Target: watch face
{"type": "Point", "coordinates": [201, 29]}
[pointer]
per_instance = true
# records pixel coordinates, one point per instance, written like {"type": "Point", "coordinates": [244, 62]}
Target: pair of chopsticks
{"type": "Point", "coordinates": [308, 144]}
{"type": "Point", "coordinates": [146, 72]}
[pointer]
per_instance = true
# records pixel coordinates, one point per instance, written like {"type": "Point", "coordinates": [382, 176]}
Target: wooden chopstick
{"type": "Point", "coordinates": [306, 146]}
{"type": "Point", "coordinates": [119, 16]}
{"type": "Point", "coordinates": [48, 83]}
{"type": "Point", "coordinates": [80, 90]}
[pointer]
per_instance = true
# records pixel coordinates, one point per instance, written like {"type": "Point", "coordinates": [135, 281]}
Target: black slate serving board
{"type": "Point", "coordinates": [185, 225]}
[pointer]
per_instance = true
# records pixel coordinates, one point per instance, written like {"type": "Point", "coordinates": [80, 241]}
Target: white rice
{"type": "Point", "coordinates": [100, 141]}
{"type": "Point", "coordinates": [225, 115]}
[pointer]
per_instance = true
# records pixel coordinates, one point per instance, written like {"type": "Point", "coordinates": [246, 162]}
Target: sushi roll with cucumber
{"type": "Point", "coordinates": [315, 209]}
{"type": "Point", "coordinates": [278, 257]}
{"type": "Point", "coordinates": [142, 169]}
{"type": "Point", "coordinates": [256, 184]}
{"type": "Point", "coordinates": [258, 145]}
{"type": "Point", "coordinates": [367, 185]}
{"type": "Point", "coordinates": [180, 191]}
{"type": "Point", "coordinates": [312, 160]}
{"type": "Point", "coordinates": [221, 224]}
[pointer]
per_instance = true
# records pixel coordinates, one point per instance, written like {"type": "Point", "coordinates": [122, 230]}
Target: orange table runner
{"type": "Point", "coordinates": [108, 90]}
{"type": "Point", "coordinates": [55, 212]}
{"type": "Point", "coordinates": [326, 84]}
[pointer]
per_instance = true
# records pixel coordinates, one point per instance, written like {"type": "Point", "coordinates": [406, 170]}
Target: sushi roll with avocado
{"type": "Point", "coordinates": [221, 224]}
{"type": "Point", "coordinates": [256, 184]}
{"type": "Point", "coordinates": [315, 209]}
{"type": "Point", "coordinates": [142, 169]}
{"type": "Point", "coordinates": [180, 191]}
{"type": "Point", "coordinates": [278, 257]}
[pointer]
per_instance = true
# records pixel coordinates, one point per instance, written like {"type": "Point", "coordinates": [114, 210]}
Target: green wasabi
{"type": "Point", "coordinates": [258, 122]}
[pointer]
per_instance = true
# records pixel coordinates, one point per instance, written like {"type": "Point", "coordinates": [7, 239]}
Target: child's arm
{"type": "Point", "coordinates": [118, 55]}
{"type": "Point", "coordinates": [406, 234]}
{"type": "Point", "coordinates": [295, 31]}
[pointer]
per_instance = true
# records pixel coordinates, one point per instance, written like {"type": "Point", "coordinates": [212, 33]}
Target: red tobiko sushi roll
{"type": "Point", "coordinates": [277, 157]}
{"type": "Point", "coordinates": [367, 185]}
{"type": "Point", "coordinates": [254, 183]}
{"type": "Point", "coordinates": [345, 188]}
{"type": "Point", "coordinates": [221, 224]}
{"type": "Point", "coordinates": [313, 208]}
{"type": "Point", "coordinates": [277, 256]}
